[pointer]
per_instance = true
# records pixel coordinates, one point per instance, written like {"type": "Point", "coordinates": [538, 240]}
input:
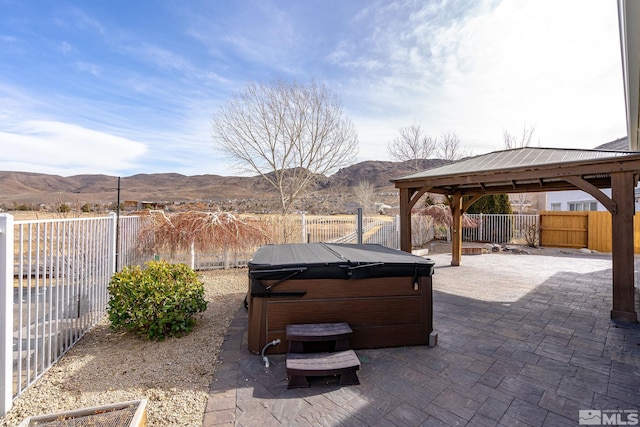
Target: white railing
{"type": "Point", "coordinates": [209, 261]}
{"type": "Point", "coordinates": [502, 228]}
{"type": "Point", "coordinates": [382, 230]}
{"type": "Point", "coordinates": [128, 254]}
{"type": "Point", "coordinates": [327, 228]}
{"type": "Point", "coordinates": [344, 229]}
{"type": "Point", "coordinates": [494, 228]}
{"type": "Point", "coordinates": [54, 276]}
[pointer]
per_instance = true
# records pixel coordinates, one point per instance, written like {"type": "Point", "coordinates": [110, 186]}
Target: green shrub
{"type": "Point", "coordinates": [157, 301]}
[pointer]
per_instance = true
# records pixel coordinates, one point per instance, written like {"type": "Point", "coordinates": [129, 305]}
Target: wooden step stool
{"type": "Point", "coordinates": [338, 360]}
{"type": "Point", "coordinates": [302, 365]}
{"type": "Point", "coordinates": [339, 333]}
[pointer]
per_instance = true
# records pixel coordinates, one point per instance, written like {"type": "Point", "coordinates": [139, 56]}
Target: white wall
{"type": "Point", "coordinates": [565, 197]}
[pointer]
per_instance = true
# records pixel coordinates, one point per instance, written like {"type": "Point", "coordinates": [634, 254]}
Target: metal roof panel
{"type": "Point", "coordinates": [515, 158]}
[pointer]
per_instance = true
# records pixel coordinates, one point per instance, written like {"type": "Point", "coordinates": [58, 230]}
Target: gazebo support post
{"type": "Point", "coordinates": [405, 219]}
{"type": "Point", "coordinates": [622, 193]}
{"type": "Point", "coordinates": [456, 229]}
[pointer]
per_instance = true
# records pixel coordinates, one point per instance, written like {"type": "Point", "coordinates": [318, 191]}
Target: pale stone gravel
{"type": "Point", "coordinates": [109, 366]}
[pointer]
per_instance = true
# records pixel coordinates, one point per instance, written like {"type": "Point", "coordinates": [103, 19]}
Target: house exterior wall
{"type": "Point", "coordinates": [563, 199]}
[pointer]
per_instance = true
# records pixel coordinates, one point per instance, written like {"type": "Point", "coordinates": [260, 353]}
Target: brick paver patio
{"type": "Point", "coordinates": [523, 340]}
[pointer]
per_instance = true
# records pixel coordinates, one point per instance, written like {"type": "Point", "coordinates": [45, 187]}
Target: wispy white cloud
{"type": "Point", "coordinates": [67, 148]}
{"type": "Point", "coordinates": [66, 47]}
{"type": "Point", "coordinates": [256, 39]}
{"type": "Point", "coordinates": [490, 67]}
{"type": "Point", "coordinates": [12, 44]}
{"type": "Point", "coordinates": [89, 68]}
{"type": "Point", "coordinates": [159, 57]}
{"type": "Point", "coordinates": [78, 18]}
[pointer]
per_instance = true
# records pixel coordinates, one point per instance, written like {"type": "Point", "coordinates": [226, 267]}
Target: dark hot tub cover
{"type": "Point", "coordinates": [335, 261]}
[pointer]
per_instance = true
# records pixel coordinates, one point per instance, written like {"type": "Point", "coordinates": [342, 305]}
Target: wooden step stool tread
{"type": "Point", "coordinates": [315, 332]}
{"type": "Point", "coordinates": [318, 331]}
{"type": "Point", "coordinates": [302, 365]}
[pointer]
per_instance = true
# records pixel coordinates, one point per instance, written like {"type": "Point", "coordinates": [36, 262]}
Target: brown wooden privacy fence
{"type": "Point", "coordinates": [564, 229]}
{"type": "Point", "coordinates": [590, 230]}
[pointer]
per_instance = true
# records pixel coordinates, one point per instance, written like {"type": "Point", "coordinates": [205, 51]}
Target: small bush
{"type": "Point", "coordinates": [158, 301]}
{"type": "Point", "coordinates": [532, 236]}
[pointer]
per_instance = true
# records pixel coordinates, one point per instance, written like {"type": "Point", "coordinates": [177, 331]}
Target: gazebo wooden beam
{"type": "Point", "coordinates": [587, 187]}
{"type": "Point", "coordinates": [416, 196]}
{"type": "Point", "coordinates": [474, 198]}
{"type": "Point", "coordinates": [532, 187]}
{"type": "Point", "coordinates": [523, 174]}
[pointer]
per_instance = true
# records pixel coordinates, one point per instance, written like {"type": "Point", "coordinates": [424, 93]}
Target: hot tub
{"type": "Point", "coordinates": [385, 295]}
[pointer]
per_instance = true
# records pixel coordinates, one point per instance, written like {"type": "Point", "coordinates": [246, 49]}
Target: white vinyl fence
{"type": "Point", "coordinates": [209, 261]}
{"type": "Point", "coordinates": [492, 228]}
{"type": "Point", "coordinates": [502, 228]}
{"type": "Point", "coordinates": [351, 229]}
{"type": "Point", "coordinates": [54, 276]}
{"type": "Point", "coordinates": [128, 228]}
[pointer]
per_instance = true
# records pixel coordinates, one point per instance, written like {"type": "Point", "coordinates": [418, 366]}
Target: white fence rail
{"type": "Point", "coordinates": [502, 228]}
{"type": "Point", "coordinates": [127, 253]}
{"type": "Point", "coordinates": [210, 261]}
{"type": "Point", "coordinates": [54, 276]}
{"type": "Point", "coordinates": [493, 228]}
{"type": "Point", "coordinates": [344, 229]}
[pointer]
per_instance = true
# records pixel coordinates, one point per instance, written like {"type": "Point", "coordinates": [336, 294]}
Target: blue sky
{"type": "Point", "coordinates": [125, 87]}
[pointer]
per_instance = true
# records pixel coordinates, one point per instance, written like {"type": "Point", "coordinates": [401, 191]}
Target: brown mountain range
{"type": "Point", "coordinates": [35, 188]}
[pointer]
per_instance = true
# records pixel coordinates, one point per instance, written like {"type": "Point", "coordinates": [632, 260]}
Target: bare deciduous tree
{"type": "Point", "coordinates": [449, 147]}
{"type": "Point", "coordinates": [288, 133]}
{"type": "Point", "coordinates": [519, 141]}
{"type": "Point", "coordinates": [412, 145]}
{"type": "Point", "coordinates": [365, 193]}
{"type": "Point", "coordinates": [512, 141]}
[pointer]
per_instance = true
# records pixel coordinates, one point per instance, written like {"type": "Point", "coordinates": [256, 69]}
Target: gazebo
{"type": "Point", "coordinates": [528, 170]}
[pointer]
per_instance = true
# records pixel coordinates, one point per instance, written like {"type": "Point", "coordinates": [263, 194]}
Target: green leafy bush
{"type": "Point", "coordinates": [157, 301]}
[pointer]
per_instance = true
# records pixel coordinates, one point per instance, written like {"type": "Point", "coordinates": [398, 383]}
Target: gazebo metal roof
{"type": "Point", "coordinates": [529, 169]}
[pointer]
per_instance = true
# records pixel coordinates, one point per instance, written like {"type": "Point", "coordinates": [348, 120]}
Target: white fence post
{"type": "Point", "coordinates": [396, 234]}
{"type": "Point", "coordinates": [359, 226]}
{"type": "Point", "coordinates": [6, 311]}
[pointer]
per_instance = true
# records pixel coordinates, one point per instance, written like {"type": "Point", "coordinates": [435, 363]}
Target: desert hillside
{"type": "Point", "coordinates": [26, 188]}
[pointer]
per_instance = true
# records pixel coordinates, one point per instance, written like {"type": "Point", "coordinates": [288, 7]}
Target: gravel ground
{"type": "Point", "coordinates": [109, 366]}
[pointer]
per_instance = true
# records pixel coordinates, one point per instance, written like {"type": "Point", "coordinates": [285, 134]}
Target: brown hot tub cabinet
{"type": "Point", "coordinates": [385, 295]}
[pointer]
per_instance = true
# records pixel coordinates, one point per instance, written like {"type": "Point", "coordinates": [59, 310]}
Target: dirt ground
{"type": "Point", "coordinates": [108, 366]}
